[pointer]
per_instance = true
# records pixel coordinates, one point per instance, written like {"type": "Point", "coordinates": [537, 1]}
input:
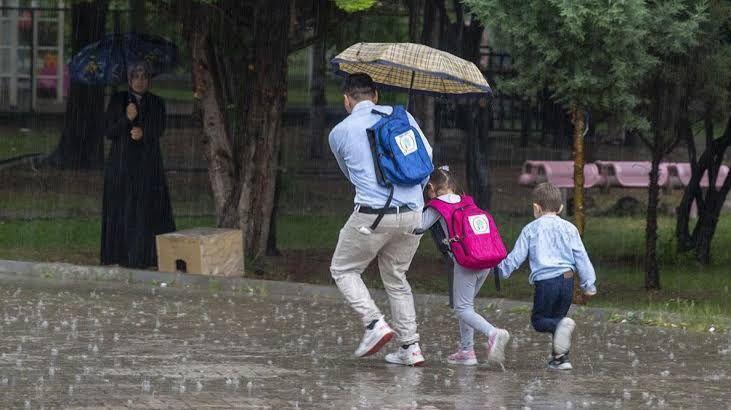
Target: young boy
{"type": "Point", "coordinates": [555, 252]}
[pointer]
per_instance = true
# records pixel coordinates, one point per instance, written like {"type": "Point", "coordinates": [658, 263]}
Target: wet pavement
{"type": "Point", "coordinates": [96, 345]}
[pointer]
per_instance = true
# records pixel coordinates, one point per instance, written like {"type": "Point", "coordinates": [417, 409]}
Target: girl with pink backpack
{"type": "Point", "coordinates": [474, 244]}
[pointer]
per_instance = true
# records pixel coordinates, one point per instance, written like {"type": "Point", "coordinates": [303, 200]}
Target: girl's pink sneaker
{"type": "Point", "coordinates": [463, 357]}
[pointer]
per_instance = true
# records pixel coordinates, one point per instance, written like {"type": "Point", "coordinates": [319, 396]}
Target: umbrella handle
{"type": "Point", "coordinates": [408, 100]}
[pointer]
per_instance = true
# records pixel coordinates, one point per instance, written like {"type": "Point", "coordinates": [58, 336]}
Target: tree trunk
{"type": "Point", "coordinates": [137, 15]}
{"type": "Point", "coordinates": [668, 118]}
{"type": "Point", "coordinates": [477, 156]}
{"type": "Point", "coordinates": [272, 249]}
{"type": "Point", "coordinates": [706, 229]}
{"type": "Point", "coordinates": [709, 203]}
{"type": "Point", "coordinates": [578, 120]}
{"type": "Point", "coordinates": [525, 120]}
{"type": "Point", "coordinates": [265, 101]}
{"type": "Point", "coordinates": [652, 273]}
{"type": "Point", "coordinates": [81, 145]}
{"type": "Point", "coordinates": [209, 93]}
{"type": "Point", "coordinates": [423, 106]}
{"type": "Point", "coordinates": [416, 9]}
{"type": "Point", "coordinates": [691, 194]}
{"type": "Point", "coordinates": [577, 115]}
{"type": "Point", "coordinates": [244, 139]}
{"type": "Point", "coordinates": [715, 197]}
{"type": "Point", "coordinates": [318, 99]}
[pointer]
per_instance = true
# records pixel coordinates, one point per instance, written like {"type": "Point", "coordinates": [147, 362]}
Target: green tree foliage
{"type": "Point", "coordinates": [352, 6]}
{"type": "Point", "coordinates": [625, 58]}
{"type": "Point", "coordinates": [589, 53]}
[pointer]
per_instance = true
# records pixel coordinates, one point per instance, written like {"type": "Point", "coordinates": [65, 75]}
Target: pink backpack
{"type": "Point", "coordinates": [473, 237]}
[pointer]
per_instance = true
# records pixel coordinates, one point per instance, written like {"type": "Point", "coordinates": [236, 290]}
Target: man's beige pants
{"type": "Point", "coordinates": [395, 245]}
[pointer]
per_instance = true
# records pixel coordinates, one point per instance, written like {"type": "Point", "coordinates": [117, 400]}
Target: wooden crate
{"type": "Point", "coordinates": [206, 251]}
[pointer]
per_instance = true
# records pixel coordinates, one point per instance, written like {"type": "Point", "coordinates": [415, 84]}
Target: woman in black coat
{"type": "Point", "coordinates": [136, 204]}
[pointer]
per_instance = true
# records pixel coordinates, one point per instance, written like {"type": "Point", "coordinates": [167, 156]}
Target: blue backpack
{"type": "Point", "coordinates": [399, 154]}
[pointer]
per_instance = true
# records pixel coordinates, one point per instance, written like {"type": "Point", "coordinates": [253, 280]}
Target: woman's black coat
{"type": "Point", "coordinates": [136, 204]}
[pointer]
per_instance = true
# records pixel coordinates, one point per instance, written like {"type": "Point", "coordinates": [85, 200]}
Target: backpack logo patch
{"type": "Point", "coordinates": [407, 142]}
{"type": "Point", "coordinates": [479, 223]}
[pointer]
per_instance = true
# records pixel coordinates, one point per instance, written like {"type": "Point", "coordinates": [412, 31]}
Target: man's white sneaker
{"type": "Point", "coordinates": [408, 357]}
{"type": "Point", "coordinates": [562, 336]}
{"type": "Point", "coordinates": [496, 346]}
{"type": "Point", "coordinates": [374, 339]}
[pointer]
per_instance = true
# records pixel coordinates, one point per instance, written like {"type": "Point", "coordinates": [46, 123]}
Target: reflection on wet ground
{"type": "Point", "coordinates": [116, 346]}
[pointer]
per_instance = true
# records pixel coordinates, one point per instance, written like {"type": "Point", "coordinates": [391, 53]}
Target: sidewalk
{"type": "Point", "coordinates": [92, 337]}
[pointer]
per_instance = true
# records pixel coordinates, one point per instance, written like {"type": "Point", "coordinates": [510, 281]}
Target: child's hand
{"type": "Point", "coordinates": [589, 292]}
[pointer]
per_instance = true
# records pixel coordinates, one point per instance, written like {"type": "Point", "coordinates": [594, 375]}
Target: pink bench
{"type": "Point", "coordinates": [559, 173]}
{"type": "Point", "coordinates": [680, 173]}
{"type": "Point", "coordinates": [624, 174]}
{"type": "Point", "coordinates": [630, 174]}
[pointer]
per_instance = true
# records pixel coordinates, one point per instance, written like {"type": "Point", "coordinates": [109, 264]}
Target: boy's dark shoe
{"type": "Point", "coordinates": [560, 362]}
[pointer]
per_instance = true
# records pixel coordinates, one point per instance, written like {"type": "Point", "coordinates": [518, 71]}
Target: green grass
{"type": "Point", "coordinates": [45, 203]}
{"type": "Point", "coordinates": [22, 143]}
{"type": "Point", "coordinates": [171, 94]}
{"type": "Point", "coordinates": [29, 205]}
{"type": "Point", "coordinates": [692, 295]}
{"type": "Point", "coordinates": [698, 294]}
{"type": "Point", "coordinates": [63, 240]}
{"type": "Point", "coordinates": [610, 241]}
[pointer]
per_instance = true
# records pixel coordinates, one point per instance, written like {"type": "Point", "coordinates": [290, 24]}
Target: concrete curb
{"type": "Point", "coordinates": [66, 272]}
{"type": "Point", "coordinates": [69, 275]}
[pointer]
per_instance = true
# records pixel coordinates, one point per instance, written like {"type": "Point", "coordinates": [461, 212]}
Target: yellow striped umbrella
{"type": "Point", "coordinates": [412, 67]}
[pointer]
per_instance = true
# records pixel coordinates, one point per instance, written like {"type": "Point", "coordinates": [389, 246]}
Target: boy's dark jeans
{"type": "Point", "coordinates": [551, 302]}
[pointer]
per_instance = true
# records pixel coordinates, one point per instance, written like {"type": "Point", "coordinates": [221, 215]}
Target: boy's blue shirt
{"type": "Point", "coordinates": [553, 246]}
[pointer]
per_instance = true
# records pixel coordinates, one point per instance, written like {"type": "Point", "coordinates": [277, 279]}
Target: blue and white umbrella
{"type": "Point", "coordinates": [105, 62]}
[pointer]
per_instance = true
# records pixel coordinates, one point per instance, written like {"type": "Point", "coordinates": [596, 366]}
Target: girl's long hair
{"type": "Point", "coordinates": [442, 179]}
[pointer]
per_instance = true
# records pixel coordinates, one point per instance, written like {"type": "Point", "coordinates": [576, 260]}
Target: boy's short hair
{"type": "Point", "coordinates": [548, 197]}
{"type": "Point", "coordinates": [359, 86]}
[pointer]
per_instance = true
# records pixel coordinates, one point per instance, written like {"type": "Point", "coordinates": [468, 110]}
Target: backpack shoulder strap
{"type": "Point", "coordinates": [445, 209]}
{"type": "Point", "coordinates": [467, 200]}
{"type": "Point", "coordinates": [399, 110]}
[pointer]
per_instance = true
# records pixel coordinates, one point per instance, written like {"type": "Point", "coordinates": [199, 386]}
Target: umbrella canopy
{"type": "Point", "coordinates": [412, 67]}
{"type": "Point", "coordinates": [105, 62]}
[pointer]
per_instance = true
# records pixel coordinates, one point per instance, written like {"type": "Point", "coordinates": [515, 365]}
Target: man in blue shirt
{"type": "Point", "coordinates": [393, 241]}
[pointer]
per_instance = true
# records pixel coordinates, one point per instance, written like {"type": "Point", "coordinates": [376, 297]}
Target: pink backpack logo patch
{"type": "Point", "coordinates": [473, 236]}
